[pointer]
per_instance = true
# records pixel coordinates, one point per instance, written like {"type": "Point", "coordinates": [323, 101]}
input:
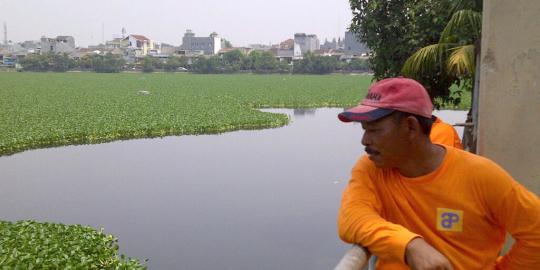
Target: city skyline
{"type": "Point", "coordinates": [242, 22]}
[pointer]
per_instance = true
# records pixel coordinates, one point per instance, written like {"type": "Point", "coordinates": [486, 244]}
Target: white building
{"type": "Point", "coordinates": [305, 43]}
{"type": "Point", "coordinates": [140, 44]}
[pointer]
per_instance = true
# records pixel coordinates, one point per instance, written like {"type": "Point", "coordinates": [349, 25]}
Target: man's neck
{"type": "Point", "coordinates": [424, 160]}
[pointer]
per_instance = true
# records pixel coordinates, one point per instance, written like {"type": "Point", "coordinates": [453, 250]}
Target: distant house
{"type": "Point", "coordinates": [60, 44]}
{"type": "Point", "coordinates": [243, 50]}
{"type": "Point", "coordinates": [113, 44]}
{"type": "Point", "coordinates": [167, 49]}
{"type": "Point", "coordinates": [284, 55]}
{"type": "Point", "coordinates": [287, 44]}
{"type": "Point", "coordinates": [139, 44]}
{"type": "Point", "coordinates": [209, 45]}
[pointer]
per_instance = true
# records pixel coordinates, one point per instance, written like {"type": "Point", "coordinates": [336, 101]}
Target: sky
{"type": "Point", "coordinates": [242, 22]}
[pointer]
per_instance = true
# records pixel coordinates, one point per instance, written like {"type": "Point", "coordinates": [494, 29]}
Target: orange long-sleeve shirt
{"type": "Point", "coordinates": [463, 209]}
{"type": "Point", "coordinates": [444, 133]}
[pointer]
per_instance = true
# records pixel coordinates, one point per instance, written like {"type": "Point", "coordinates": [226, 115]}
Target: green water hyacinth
{"type": "Point", "coordinates": [39, 110]}
{"type": "Point", "coordinates": [34, 245]}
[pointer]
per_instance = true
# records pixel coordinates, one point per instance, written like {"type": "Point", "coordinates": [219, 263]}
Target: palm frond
{"type": "Point", "coordinates": [467, 21]}
{"type": "Point", "coordinates": [462, 61]}
{"type": "Point", "coordinates": [425, 60]}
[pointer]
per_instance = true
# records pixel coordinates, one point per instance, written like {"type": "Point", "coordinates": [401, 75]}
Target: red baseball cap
{"type": "Point", "coordinates": [387, 96]}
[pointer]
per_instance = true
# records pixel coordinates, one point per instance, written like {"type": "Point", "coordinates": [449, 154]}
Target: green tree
{"type": "Point", "coordinates": [357, 65]}
{"type": "Point", "coordinates": [85, 62]}
{"type": "Point", "coordinates": [394, 30]}
{"type": "Point", "coordinates": [263, 62]}
{"type": "Point", "coordinates": [108, 63]}
{"type": "Point", "coordinates": [61, 62]}
{"type": "Point", "coordinates": [149, 64]}
{"type": "Point", "coordinates": [226, 44]}
{"type": "Point", "coordinates": [315, 64]}
{"type": "Point", "coordinates": [173, 63]}
{"type": "Point", "coordinates": [232, 61]}
{"type": "Point", "coordinates": [452, 60]}
{"type": "Point", "coordinates": [233, 57]}
{"type": "Point", "coordinates": [207, 65]}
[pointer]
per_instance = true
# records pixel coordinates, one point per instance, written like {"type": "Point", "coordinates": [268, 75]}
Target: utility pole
{"type": "Point", "coordinates": [5, 34]}
{"type": "Point", "coordinates": [103, 33]}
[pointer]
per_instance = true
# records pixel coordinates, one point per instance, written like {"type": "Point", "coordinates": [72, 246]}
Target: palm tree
{"type": "Point", "coordinates": [453, 59]}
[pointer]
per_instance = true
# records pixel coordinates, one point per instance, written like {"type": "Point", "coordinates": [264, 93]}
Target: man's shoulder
{"type": "Point", "coordinates": [477, 167]}
{"type": "Point", "coordinates": [468, 159]}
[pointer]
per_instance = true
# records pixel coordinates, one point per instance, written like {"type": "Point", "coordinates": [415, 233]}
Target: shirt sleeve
{"type": "Point", "coordinates": [517, 210]}
{"type": "Point", "coordinates": [360, 222]}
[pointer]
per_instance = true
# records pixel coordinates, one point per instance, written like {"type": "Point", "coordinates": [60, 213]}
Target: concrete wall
{"type": "Point", "coordinates": [509, 104]}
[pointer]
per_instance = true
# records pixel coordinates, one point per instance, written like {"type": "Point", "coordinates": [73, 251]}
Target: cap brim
{"type": "Point", "coordinates": [363, 113]}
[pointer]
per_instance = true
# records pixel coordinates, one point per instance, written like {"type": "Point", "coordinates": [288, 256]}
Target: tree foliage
{"type": "Point", "coordinates": [451, 61]}
{"type": "Point", "coordinates": [47, 62]}
{"type": "Point", "coordinates": [315, 64]}
{"type": "Point", "coordinates": [108, 63]}
{"type": "Point", "coordinates": [173, 63]}
{"type": "Point", "coordinates": [226, 44]}
{"type": "Point", "coordinates": [395, 30]}
{"type": "Point", "coordinates": [207, 65]}
{"type": "Point", "coordinates": [355, 65]}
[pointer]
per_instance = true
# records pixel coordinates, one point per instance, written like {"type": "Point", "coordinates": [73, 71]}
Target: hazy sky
{"type": "Point", "coordinates": [242, 22]}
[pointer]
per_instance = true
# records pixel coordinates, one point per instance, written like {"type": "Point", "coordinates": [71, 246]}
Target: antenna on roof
{"type": "Point", "coordinates": [5, 34]}
{"type": "Point", "coordinates": [103, 33]}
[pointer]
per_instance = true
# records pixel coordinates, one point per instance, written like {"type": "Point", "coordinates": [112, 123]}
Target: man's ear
{"type": "Point", "coordinates": [414, 129]}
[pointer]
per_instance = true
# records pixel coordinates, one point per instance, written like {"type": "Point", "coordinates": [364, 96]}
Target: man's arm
{"type": "Point", "coordinates": [518, 211]}
{"type": "Point", "coordinates": [359, 221]}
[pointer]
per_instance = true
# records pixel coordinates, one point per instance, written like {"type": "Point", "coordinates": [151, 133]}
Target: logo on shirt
{"type": "Point", "coordinates": [449, 220]}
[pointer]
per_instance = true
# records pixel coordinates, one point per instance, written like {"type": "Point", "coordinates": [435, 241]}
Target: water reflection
{"type": "Point", "coordinates": [303, 112]}
{"type": "Point", "coordinates": [264, 199]}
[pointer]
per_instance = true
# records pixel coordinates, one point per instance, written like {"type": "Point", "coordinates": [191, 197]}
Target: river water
{"type": "Point", "coordinates": [263, 199]}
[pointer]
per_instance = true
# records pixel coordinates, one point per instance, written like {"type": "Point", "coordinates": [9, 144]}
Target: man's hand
{"type": "Point", "coordinates": [421, 256]}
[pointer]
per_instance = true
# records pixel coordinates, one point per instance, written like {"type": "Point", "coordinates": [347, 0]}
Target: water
{"type": "Point", "coordinates": [265, 199]}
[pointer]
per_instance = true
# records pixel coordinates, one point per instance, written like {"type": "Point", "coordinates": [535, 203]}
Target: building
{"type": "Point", "coordinates": [260, 47]}
{"type": "Point", "coordinates": [305, 43]}
{"type": "Point", "coordinates": [139, 45]}
{"type": "Point", "coordinates": [209, 45]}
{"type": "Point", "coordinates": [115, 43]}
{"type": "Point", "coordinates": [60, 44]}
{"type": "Point", "coordinates": [243, 50]}
{"type": "Point", "coordinates": [167, 49]}
{"type": "Point", "coordinates": [353, 46]}
{"type": "Point", "coordinates": [287, 44]}
{"type": "Point", "coordinates": [330, 45]}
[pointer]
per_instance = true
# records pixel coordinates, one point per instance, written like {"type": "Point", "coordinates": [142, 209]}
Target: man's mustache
{"type": "Point", "coordinates": [371, 151]}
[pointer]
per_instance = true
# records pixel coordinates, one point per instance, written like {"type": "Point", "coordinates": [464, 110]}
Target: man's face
{"type": "Point", "coordinates": [386, 141]}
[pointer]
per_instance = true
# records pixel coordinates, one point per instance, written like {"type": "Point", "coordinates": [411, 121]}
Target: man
{"type": "Point", "coordinates": [421, 205]}
{"type": "Point", "coordinates": [444, 133]}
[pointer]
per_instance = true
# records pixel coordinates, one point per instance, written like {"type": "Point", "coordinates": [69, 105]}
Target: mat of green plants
{"type": "Point", "coordinates": [42, 245]}
{"type": "Point", "coordinates": [51, 109]}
